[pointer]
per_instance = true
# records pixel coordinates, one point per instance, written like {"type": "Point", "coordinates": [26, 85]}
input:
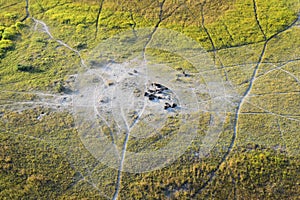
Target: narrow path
{"type": "Point", "coordinates": [23, 135]}
{"type": "Point", "coordinates": [257, 19]}
{"type": "Point", "coordinates": [228, 32]}
{"type": "Point", "coordinates": [294, 23]}
{"type": "Point", "coordinates": [160, 18]}
{"type": "Point", "coordinates": [27, 11]}
{"type": "Point", "coordinates": [134, 23]}
{"type": "Point", "coordinates": [238, 111]}
{"type": "Point", "coordinates": [283, 64]}
{"type": "Point", "coordinates": [37, 93]}
{"type": "Point", "coordinates": [214, 50]}
{"type": "Point", "coordinates": [40, 99]}
{"type": "Point", "coordinates": [281, 134]}
{"type": "Point", "coordinates": [275, 93]}
{"type": "Point", "coordinates": [123, 154]}
{"type": "Point", "coordinates": [51, 100]}
{"type": "Point", "coordinates": [45, 28]}
{"type": "Point", "coordinates": [234, 188]}
{"type": "Point", "coordinates": [292, 75]}
{"type": "Point", "coordinates": [236, 122]}
{"type": "Point", "coordinates": [62, 152]}
{"type": "Point", "coordinates": [98, 17]}
{"type": "Point", "coordinates": [223, 68]}
{"type": "Point", "coordinates": [119, 176]}
{"type": "Point", "coordinates": [206, 30]}
{"type": "Point", "coordinates": [10, 5]}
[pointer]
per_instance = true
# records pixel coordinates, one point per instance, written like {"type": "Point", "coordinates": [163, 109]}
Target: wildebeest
{"type": "Point", "coordinates": [167, 105]}
{"type": "Point", "coordinates": [159, 86]}
{"type": "Point", "coordinates": [152, 97]}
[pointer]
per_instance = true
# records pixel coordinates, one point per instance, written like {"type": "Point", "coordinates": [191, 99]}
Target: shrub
{"type": "Point", "coordinates": [25, 68]}
{"type": "Point", "coordinates": [6, 45]}
{"type": "Point", "coordinates": [59, 87]}
{"type": "Point", "coordinates": [9, 33]}
{"type": "Point", "coordinates": [20, 25]}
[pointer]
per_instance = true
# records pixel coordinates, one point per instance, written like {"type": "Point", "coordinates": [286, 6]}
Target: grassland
{"type": "Point", "coordinates": [255, 46]}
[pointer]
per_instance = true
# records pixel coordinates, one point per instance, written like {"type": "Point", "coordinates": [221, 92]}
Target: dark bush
{"type": "Point", "coordinates": [9, 33]}
{"type": "Point", "coordinates": [25, 68]}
